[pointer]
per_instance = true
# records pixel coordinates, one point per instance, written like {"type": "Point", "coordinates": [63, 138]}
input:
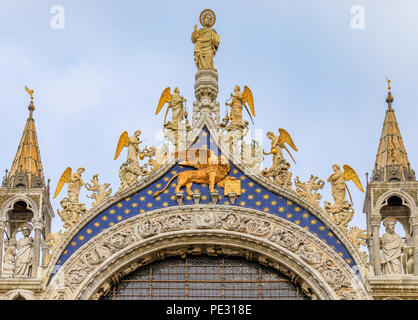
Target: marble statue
{"type": "Point", "coordinates": [279, 171]}
{"type": "Point", "coordinates": [130, 170]}
{"type": "Point", "coordinates": [72, 209]}
{"type": "Point", "coordinates": [341, 211]}
{"type": "Point", "coordinates": [206, 41]}
{"type": "Point", "coordinates": [132, 143]}
{"type": "Point", "coordinates": [100, 191]}
{"type": "Point", "coordinates": [391, 245]}
{"type": "Point", "coordinates": [75, 182]}
{"type": "Point", "coordinates": [337, 181]}
{"type": "Point", "coordinates": [74, 185]}
{"type": "Point", "coordinates": [24, 254]}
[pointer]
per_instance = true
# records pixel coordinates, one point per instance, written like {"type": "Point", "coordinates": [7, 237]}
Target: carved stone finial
{"type": "Point", "coordinates": [214, 195]}
{"type": "Point", "coordinates": [179, 198]}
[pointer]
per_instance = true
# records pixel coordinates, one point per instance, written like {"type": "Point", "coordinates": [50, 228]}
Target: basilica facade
{"type": "Point", "coordinates": [198, 217]}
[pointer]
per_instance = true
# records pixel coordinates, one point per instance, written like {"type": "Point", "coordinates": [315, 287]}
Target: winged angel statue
{"type": "Point", "coordinates": [175, 103]}
{"type": "Point", "coordinates": [175, 130]}
{"type": "Point", "coordinates": [72, 208]}
{"type": "Point", "coordinates": [239, 101]}
{"type": "Point", "coordinates": [130, 170]}
{"type": "Point", "coordinates": [341, 209]}
{"type": "Point", "coordinates": [279, 170]}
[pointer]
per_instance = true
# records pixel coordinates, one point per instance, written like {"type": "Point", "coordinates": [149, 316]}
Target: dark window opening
{"type": "Point", "coordinates": [205, 277]}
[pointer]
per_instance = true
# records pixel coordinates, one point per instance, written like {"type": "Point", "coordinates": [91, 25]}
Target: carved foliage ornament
{"type": "Point", "coordinates": [148, 227]}
{"type": "Point", "coordinates": [96, 255]}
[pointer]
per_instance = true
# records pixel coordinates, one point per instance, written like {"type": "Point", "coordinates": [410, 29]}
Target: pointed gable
{"type": "Point", "coordinates": [28, 158]}
{"type": "Point", "coordinates": [253, 196]}
{"type": "Point", "coordinates": [392, 162]}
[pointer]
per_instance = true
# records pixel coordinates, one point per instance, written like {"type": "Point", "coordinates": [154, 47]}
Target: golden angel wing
{"type": "Point", "coordinates": [196, 157]}
{"type": "Point", "coordinates": [65, 177]}
{"type": "Point", "coordinates": [350, 174]}
{"type": "Point", "coordinates": [247, 97]}
{"type": "Point", "coordinates": [286, 138]}
{"type": "Point", "coordinates": [123, 142]}
{"type": "Point", "coordinates": [165, 97]}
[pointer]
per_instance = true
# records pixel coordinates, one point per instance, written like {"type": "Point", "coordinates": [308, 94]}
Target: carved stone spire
{"type": "Point", "coordinates": [27, 169]}
{"type": "Point", "coordinates": [392, 162]}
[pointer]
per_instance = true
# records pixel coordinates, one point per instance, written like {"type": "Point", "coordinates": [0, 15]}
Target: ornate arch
{"type": "Point", "coordinates": [26, 294]}
{"type": "Point", "coordinates": [408, 201]}
{"type": "Point", "coordinates": [262, 237]}
{"type": "Point", "coordinates": [8, 205]}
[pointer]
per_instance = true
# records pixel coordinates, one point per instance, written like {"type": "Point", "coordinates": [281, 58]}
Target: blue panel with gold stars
{"type": "Point", "coordinates": [252, 196]}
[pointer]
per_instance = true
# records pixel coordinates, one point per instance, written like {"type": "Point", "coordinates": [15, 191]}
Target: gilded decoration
{"type": "Point", "coordinates": [253, 196]}
{"type": "Point", "coordinates": [232, 206]}
{"type": "Point", "coordinates": [238, 103]}
{"type": "Point", "coordinates": [206, 41]}
{"type": "Point", "coordinates": [211, 170]}
{"type": "Point", "coordinates": [72, 210]}
{"type": "Point", "coordinates": [341, 210]}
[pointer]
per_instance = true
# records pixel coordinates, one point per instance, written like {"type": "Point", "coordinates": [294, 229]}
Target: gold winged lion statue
{"type": "Point", "coordinates": [211, 170]}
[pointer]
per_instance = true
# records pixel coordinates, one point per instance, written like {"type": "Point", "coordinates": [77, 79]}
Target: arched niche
{"type": "Point", "coordinates": [399, 205]}
{"type": "Point", "coordinates": [19, 214]}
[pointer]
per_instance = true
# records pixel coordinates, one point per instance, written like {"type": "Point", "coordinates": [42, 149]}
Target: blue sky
{"type": "Point", "coordinates": [309, 72]}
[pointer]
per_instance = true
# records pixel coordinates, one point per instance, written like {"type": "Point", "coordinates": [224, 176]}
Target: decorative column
{"type": "Point", "coordinates": [375, 226]}
{"type": "Point", "coordinates": [206, 92]}
{"type": "Point", "coordinates": [2, 227]}
{"type": "Point", "coordinates": [37, 226]}
{"type": "Point", "coordinates": [414, 227]}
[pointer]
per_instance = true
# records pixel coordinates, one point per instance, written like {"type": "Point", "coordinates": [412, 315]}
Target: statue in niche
{"type": "Point", "coordinates": [24, 254]}
{"type": "Point", "coordinates": [206, 41]}
{"type": "Point", "coordinates": [8, 261]}
{"type": "Point", "coordinates": [408, 259]}
{"type": "Point", "coordinates": [391, 245]}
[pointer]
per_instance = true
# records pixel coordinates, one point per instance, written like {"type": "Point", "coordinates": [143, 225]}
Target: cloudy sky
{"type": "Point", "coordinates": [310, 72]}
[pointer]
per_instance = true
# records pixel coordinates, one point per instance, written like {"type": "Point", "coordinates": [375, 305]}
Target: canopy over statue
{"type": "Point", "coordinates": [206, 41]}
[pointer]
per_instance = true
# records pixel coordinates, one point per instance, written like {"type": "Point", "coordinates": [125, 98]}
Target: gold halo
{"type": "Point", "coordinates": [203, 15]}
{"type": "Point", "coordinates": [388, 219]}
{"type": "Point", "coordinates": [26, 224]}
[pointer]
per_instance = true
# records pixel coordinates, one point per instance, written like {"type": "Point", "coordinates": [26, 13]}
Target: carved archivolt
{"type": "Point", "coordinates": [92, 270]}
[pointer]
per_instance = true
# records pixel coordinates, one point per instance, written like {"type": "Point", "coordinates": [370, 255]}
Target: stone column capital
{"type": "Point", "coordinates": [37, 224]}
{"type": "Point", "coordinates": [375, 220]}
{"type": "Point", "coordinates": [413, 221]}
